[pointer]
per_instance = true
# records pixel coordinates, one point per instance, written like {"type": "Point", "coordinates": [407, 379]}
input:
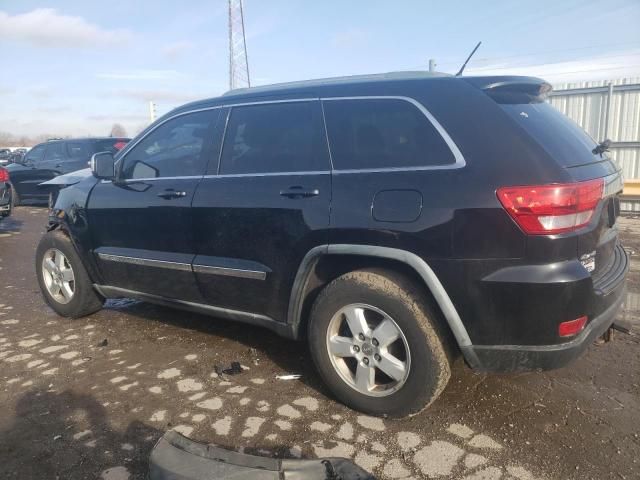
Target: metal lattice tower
{"type": "Point", "coordinates": [238, 61]}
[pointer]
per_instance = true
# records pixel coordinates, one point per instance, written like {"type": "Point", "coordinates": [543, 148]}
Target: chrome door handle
{"type": "Point", "coordinates": [299, 192]}
{"type": "Point", "coordinates": [169, 194]}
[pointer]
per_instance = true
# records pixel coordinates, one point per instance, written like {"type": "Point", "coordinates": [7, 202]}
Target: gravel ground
{"type": "Point", "coordinates": [88, 398]}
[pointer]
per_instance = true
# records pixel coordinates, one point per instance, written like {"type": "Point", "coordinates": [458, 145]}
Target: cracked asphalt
{"type": "Point", "coordinates": [75, 406]}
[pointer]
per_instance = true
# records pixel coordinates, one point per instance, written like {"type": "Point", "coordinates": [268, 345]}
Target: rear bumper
{"type": "Point", "coordinates": [603, 302]}
{"type": "Point", "coordinates": [514, 358]}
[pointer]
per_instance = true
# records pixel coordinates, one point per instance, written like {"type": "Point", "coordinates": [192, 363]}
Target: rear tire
{"type": "Point", "coordinates": [63, 280]}
{"type": "Point", "coordinates": [409, 373]}
{"type": "Point", "coordinates": [15, 198]}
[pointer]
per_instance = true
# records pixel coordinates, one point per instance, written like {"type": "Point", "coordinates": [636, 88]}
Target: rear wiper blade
{"type": "Point", "coordinates": [602, 147]}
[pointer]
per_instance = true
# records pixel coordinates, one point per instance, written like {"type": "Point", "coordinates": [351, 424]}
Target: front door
{"type": "Point", "coordinates": [141, 224]}
{"type": "Point", "coordinates": [265, 208]}
{"type": "Point", "coordinates": [35, 170]}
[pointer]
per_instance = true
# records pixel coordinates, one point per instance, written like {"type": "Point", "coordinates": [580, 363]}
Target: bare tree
{"type": "Point", "coordinates": [118, 131]}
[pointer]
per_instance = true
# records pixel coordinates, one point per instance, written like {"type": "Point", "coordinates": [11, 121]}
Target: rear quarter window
{"type": "Point", "coordinates": [382, 133]}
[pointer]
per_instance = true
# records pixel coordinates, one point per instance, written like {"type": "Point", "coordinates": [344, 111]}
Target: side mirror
{"type": "Point", "coordinates": [102, 166]}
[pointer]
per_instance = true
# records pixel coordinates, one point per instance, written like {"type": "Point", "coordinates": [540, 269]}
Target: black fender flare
{"type": "Point", "coordinates": [431, 281]}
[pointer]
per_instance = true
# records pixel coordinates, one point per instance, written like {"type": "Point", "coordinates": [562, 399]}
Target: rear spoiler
{"type": "Point", "coordinates": [512, 89]}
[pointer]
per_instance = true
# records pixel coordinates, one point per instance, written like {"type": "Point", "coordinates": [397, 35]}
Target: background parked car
{"type": "Point", "coordinates": [50, 159]}
{"type": "Point", "coordinates": [5, 194]}
{"type": "Point", "coordinates": [5, 155]}
{"type": "Point", "coordinates": [17, 155]}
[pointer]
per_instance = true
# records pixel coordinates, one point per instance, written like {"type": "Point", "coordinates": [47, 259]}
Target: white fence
{"type": "Point", "coordinates": [607, 109]}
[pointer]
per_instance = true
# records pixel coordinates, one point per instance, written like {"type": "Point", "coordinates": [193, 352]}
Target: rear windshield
{"type": "Point", "coordinates": [562, 138]}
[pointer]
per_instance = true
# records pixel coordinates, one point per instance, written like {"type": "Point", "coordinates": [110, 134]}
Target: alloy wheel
{"type": "Point", "coordinates": [58, 276]}
{"type": "Point", "coordinates": [368, 350]}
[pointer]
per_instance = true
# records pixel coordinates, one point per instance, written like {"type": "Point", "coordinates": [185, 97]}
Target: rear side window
{"type": "Point", "coordinates": [78, 150]}
{"type": "Point", "coordinates": [382, 133]}
{"type": "Point", "coordinates": [55, 151]}
{"type": "Point", "coordinates": [274, 138]}
{"type": "Point", "coordinates": [175, 148]}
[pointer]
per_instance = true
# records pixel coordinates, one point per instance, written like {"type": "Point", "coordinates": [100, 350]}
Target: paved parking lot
{"type": "Point", "coordinates": [88, 398]}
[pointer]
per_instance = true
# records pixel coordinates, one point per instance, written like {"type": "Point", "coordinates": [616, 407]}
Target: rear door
{"type": "Point", "coordinates": [141, 225]}
{"type": "Point", "coordinates": [264, 208]}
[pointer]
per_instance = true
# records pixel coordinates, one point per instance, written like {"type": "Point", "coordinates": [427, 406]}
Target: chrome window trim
{"type": "Point", "coordinates": [269, 174]}
{"type": "Point", "coordinates": [457, 154]}
{"type": "Point", "coordinates": [230, 272]}
{"type": "Point", "coordinates": [145, 262]}
{"type": "Point", "coordinates": [266, 102]}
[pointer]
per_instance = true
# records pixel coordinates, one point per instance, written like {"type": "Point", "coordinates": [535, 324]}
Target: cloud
{"type": "Point", "coordinates": [141, 75]}
{"type": "Point", "coordinates": [349, 38]}
{"type": "Point", "coordinates": [45, 27]}
{"type": "Point", "coordinates": [176, 49]}
{"type": "Point", "coordinates": [601, 67]}
{"type": "Point", "coordinates": [171, 96]}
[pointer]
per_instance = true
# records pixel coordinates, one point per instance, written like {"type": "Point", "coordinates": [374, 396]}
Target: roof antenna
{"type": "Point", "coordinates": [467, 60]}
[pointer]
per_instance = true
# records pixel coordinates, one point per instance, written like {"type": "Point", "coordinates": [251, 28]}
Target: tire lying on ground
{"type": "Point", "coordinates": [63, 280]}
{"type": "Point", "coordinates": [378, 344]}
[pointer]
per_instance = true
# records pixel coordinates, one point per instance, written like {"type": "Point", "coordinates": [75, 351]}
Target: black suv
{"type": "Point", "coordinates": [55, 157]}
{"type": "Point", "coordinates": [391, 220]}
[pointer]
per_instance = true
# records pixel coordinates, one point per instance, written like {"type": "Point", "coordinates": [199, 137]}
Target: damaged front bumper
{"type": "Point", "coordinates": [177, 458]}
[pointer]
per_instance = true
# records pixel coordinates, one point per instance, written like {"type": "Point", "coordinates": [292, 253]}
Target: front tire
{"type": "Point", "coordinates": [63, 280]}
{"type": "Point", "coordinates": [377, 343]}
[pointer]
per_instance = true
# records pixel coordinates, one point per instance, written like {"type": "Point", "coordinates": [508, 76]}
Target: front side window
{"type": "Point", "coordinates": [382, 133]}
{"type": "Point", "coordinates": [274, 138]}
{"type": "Point", "coordinates": [55, 152]}
{"type": "Point", "coordinates": [176, 148]}
{"type": "Point", "coordinates": [36, 154]}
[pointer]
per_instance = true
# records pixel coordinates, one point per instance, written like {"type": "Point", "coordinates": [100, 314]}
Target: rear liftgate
{"type": "Point", "coordinates": [177, 458]}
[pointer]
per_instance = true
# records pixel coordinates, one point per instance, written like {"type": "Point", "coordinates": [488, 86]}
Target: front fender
{"type": "Point", "coordinates": [69, 214]}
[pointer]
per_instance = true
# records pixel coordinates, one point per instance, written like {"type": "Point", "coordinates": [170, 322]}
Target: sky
{"type": "Point", "coordinates": [76, 67]}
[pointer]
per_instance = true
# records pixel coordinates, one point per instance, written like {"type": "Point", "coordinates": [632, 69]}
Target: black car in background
{"type": "Point", "coordinates": [17, 155]}
{"type": "Point", "coordinates": [392, 221]}
{"type": "Point", "coordinates": [5, 156]}
{"type": "Point", "coordinates": [5, 194]}
{"type": "Point", "coordinates": [50, 159]}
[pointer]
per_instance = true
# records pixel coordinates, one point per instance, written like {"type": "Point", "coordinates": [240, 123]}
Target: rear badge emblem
{"type": "Point", "coordinates": [588, 261]}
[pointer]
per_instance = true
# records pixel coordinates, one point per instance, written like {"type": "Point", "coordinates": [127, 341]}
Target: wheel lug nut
{"type": "Point", "coordinates": [365, 360]}
{"type": "Point", "coordinates": [375, 342]}
{"type": "Point", "coordinates": [361, 336]}
{"type": "Point", "coordinates": [377, 357]}
{"type": "Point", "coordinates": [356, 348]}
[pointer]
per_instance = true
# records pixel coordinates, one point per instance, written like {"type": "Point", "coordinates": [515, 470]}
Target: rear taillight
{"type": "Point", "coordinates": [572, 327]}
{"type": "Point", "coordinates": [550, 209]}
{"type": "Point", "coordinates": [4, 175]}
{"type": "Point", "coordinates": [119, 145]}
